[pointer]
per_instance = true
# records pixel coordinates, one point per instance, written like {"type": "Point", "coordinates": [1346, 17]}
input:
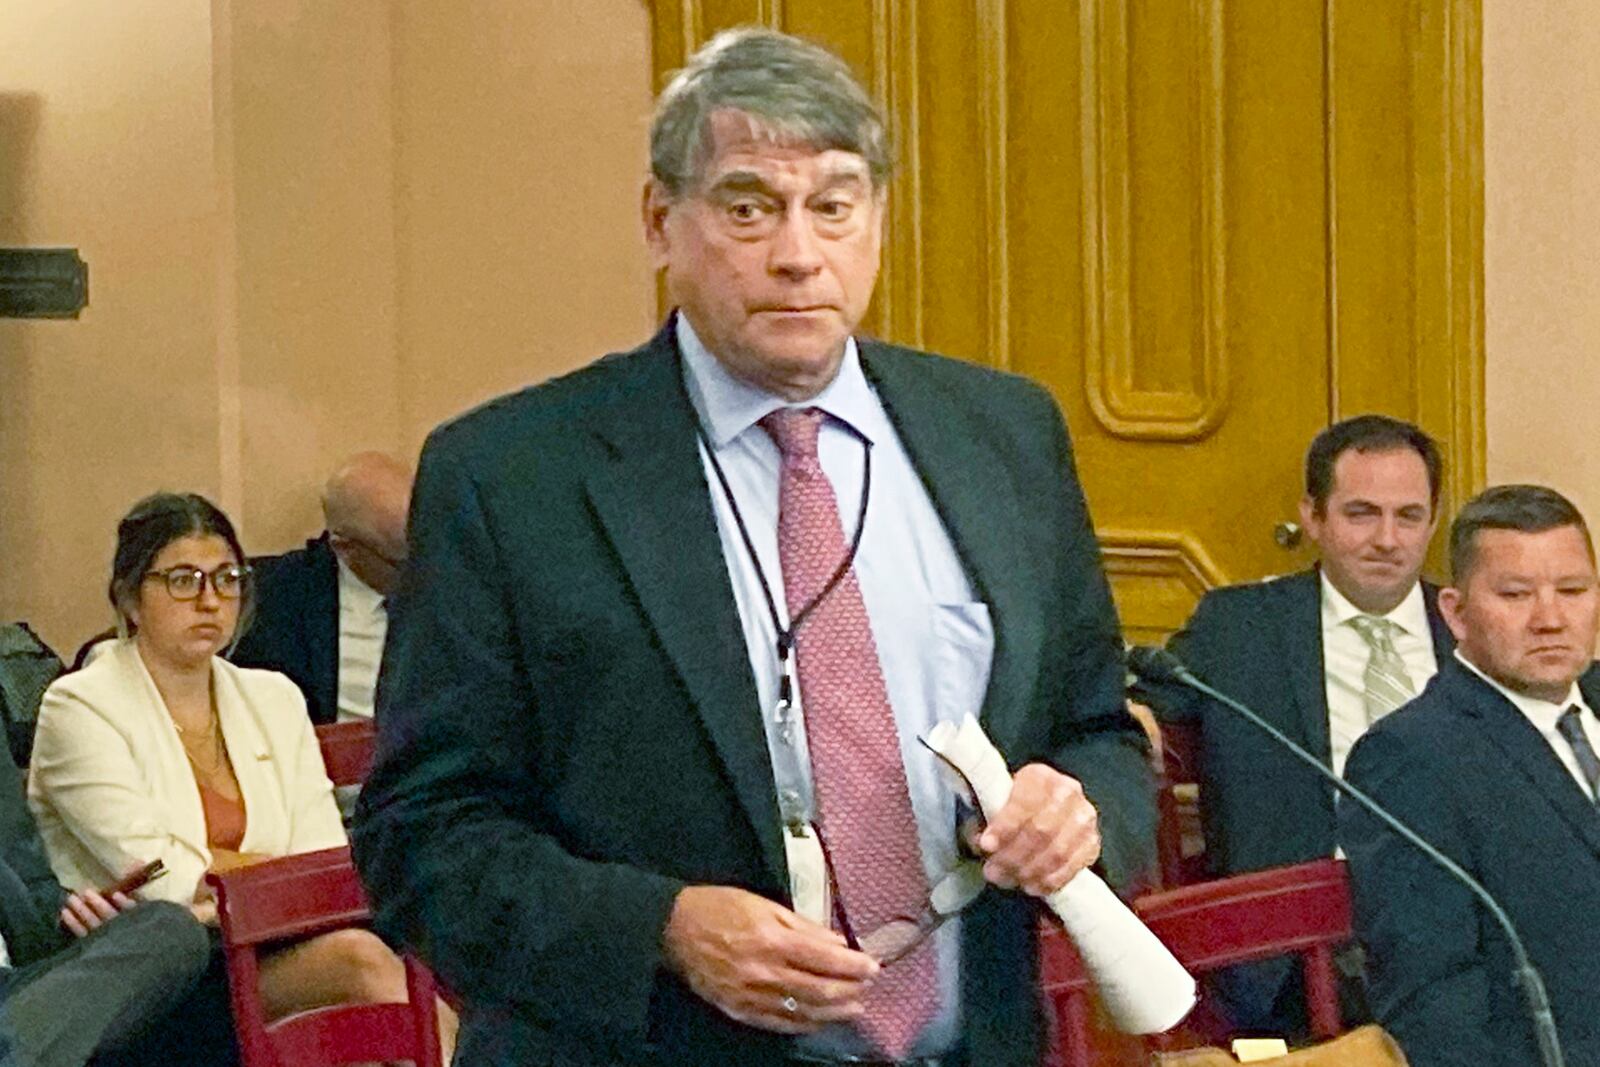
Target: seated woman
{"type": "Point", "coordinates": [161, 749]}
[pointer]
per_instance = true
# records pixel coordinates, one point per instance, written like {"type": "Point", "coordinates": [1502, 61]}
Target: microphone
{"type": "Point", "coordinates": [1159, 665]}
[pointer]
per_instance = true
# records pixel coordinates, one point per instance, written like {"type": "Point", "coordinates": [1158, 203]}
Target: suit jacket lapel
{"type": "Point", "coordinates": [1300, 643]}
{"type": "Point", "coordinates": [655, 506]}
{"type": "Point", "coordinates": [962, 473]}
{"type": "Point", "coordinates": [1527, 752]}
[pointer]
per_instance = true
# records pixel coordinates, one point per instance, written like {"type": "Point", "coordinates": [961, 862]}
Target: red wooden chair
{"type": "Point", "coordinates": [347, 750]}
{"type": "Point", "coordinates": [293, 897]}
{"type": "Point", "coordinates": [1179, 843]}
{"type": "Point", "coordinates": [1301, 910]}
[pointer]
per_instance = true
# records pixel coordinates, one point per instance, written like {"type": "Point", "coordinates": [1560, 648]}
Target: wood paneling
{"type": "Point", "coordinates": [1149, 70]}
{"type": "Point", "coordinates": [1209, 226]}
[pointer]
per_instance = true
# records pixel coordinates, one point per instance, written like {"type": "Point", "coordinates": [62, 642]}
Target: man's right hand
{"type": "Point", "coordinates": [763, 965]}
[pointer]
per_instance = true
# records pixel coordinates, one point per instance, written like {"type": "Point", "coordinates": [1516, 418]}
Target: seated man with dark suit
{"type": "Point", "coordinates": [1495, 765]}
{"type": "Point", "coordinates": [1321, 654]}
{"type": "Point", "coordinates": [676, 619]}
{"type": "Point", "coordinates": [81, 975]}
{"type": "Point", "coordinates": [321, 614]}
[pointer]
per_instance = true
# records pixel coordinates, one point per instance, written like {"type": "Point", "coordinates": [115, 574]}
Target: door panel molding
{"type": "Point", "coordinates": [1157, 577]}
{"type": "Point", "coordinates": [1115, 365]}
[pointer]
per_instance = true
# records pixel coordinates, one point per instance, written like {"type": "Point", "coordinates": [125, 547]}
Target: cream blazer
{"type": "Point", "coordinates": [111, 788]}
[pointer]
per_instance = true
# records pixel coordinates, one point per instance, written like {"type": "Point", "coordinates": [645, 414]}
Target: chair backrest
{"type": "Point", "coordinates": [27, 667]}
{"type": "Point", "coordinates": [1179, 841]}
{"type": "Point", "coordinates": [1301, 910]}
{"type": "Point", "coordinates": [347, 750]}
{"type": "Point", "coordinates": [292, 897]}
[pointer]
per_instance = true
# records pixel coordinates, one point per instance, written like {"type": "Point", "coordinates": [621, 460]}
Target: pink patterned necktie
{"type": "Point", "coordinates": [863, 803]}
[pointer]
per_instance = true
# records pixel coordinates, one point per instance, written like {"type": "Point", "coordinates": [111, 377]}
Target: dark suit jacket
{"type": "Point", "coordinates": [569, 731]}
{"type": "Point", "coordinates": [296, 627]}
{"type": "Point", "coordinates": [1469, 773]}
{"type": "Point", "coordinates": [1261, 643]}
{"type": "Point", "coordinates": [30, 897]}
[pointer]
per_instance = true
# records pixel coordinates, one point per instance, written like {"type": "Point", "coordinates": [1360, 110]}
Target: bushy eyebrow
{"type": "Point", "coordinates": [749, 181]}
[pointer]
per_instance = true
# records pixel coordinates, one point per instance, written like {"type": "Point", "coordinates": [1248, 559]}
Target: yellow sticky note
{"type": "Point", "coordinates": [1256, 1049]}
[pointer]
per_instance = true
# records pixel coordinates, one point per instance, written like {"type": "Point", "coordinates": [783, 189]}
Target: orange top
{"type": "Point", "coordinates": [225, 819]}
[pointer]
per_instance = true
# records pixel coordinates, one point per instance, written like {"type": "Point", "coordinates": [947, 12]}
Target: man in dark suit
{"type": "Point", "coordinates": [84, 975]}
{"type": "Point", "coordinates": [674, 620]}
{"type": "Point", "coordinates": [1297, 649]}
{"type": "Point", "coordinates": [1495, 765]}
{"type": "Point", "coordinates": [320, 613]}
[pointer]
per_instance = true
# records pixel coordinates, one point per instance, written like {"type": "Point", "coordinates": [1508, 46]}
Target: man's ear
{"type": "Point", "coordinates": [1451, 602]}
{"type": "Point", "coordinates": [654, 205]}
{"type": "Point", "coordinates": [1310, 520]}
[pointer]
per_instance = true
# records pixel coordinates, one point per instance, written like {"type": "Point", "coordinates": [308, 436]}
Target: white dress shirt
{"type": "Point", "coordinates": [363, 622]}
{"type": "Point", "coordinates": [1544, 716]}
{"type": "Point", "coordinates": [935, 640]}
{"type": "Point", "coordinates": [1345, 654]}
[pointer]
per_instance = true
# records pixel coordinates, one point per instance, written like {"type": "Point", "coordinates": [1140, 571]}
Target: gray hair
{"type": "Point", "coordinates": [794, 92]}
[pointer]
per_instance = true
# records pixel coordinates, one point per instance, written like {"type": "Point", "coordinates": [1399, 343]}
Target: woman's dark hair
{"type": "Point", "coordinates": [150, 526]}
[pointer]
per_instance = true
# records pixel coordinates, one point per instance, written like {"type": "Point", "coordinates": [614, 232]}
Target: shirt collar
{"type": "Point", "coordinates": [1410, 615]}
{"type": "Point", "coordinates": [356, 593]}
{"type": "Point", "coordinates": [728, 406]}
{"type": "Point", "coordinates": [1541, 713]}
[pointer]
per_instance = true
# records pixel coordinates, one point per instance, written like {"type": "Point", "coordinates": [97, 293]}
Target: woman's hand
{"type": "Point", "coordinates": [87, 911]}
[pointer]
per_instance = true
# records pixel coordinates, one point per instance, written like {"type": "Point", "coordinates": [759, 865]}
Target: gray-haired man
{"type": "Point", "coordinates": [673, 624]}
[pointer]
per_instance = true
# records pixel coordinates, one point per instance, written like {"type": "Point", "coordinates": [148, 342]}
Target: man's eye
{"type": "Point", "coordinates": [833, 209]}
{"type": "Point", "coordinates": [744, 211]}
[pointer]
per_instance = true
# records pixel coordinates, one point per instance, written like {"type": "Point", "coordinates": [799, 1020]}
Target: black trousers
{"type": "Point", "coordinates": [102, 993]}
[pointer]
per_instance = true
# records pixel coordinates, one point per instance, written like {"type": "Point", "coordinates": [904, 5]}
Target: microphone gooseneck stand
{"type": "Point", "coordinates": [1159, 665]}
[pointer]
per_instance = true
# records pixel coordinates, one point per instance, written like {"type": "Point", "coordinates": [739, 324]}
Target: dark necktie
{"type": "Point", "coordinates": [863, 803]}
{"type": "Point", "coordinates": [1571, 727]}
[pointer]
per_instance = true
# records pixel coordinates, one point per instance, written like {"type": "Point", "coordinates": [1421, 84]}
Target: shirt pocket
{"type": "Point", "coordinates": [964, 651]}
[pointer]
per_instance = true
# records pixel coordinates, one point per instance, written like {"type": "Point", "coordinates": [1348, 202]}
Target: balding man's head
{"type": "Point", "coordinates": [364, 505]}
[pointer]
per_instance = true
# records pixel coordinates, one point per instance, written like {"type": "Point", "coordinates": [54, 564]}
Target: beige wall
{"type": "Point", "coordinates": [106, 144]}
{"type": "Point", "coordinates": [1541, 103]}
{"type": "Point", "coordinates": [312, 226]}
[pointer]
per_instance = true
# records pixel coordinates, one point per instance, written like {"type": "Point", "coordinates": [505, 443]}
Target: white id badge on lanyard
{"type": "Point", "coordinates": [808, 874]}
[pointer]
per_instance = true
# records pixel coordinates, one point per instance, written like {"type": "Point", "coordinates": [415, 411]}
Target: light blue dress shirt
{"type": "Point", "coordinates": [934, 638]}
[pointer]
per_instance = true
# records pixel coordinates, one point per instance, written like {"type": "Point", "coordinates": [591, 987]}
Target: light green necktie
{"type": "Point", "coordinates": [1386, 685]}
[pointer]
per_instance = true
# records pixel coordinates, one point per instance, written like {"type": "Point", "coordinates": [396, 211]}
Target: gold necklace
{"type": "Point", "coordinates": [208, 765]}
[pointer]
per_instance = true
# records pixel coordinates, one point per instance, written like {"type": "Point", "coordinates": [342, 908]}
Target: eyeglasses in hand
{"type": "Point", "coordinates": [900, 936]}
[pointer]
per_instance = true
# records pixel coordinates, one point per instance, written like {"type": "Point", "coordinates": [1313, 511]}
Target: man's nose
{"type": "Point", "coordinates": [1547, 611]}
{"type": "Point", "coordinates": [1388, 532]}
{"type": "Point", "coordinates": [796, 251]}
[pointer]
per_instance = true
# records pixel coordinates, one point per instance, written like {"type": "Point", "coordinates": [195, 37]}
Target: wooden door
{"type": "Point", "coordinates": [1211, 227]}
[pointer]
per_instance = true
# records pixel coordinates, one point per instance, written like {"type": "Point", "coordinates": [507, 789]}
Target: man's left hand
{"type": "Point", "coordinates": [1046, 833]}
{"type": "Point", "coordinates": [87, 911]}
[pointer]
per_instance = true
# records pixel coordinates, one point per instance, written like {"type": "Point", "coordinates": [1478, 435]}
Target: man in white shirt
{"type": "Point", "coordinates": [1321, 654]}
{"type": "Point", "coordinates": [1494, 764]}
{"type": "Point", "coordinates": [321, 616]}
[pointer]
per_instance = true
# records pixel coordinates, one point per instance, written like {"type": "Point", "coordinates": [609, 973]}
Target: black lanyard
{"type": "Point", "coordinates": [786, 635]}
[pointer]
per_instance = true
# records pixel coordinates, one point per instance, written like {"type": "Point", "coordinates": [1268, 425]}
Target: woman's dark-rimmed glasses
{"type": "Point", "coordinates": [187, 583]}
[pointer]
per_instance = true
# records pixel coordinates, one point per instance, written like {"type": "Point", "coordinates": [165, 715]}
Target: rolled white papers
{"type": "Point", "coordinates": [1144, 988]}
